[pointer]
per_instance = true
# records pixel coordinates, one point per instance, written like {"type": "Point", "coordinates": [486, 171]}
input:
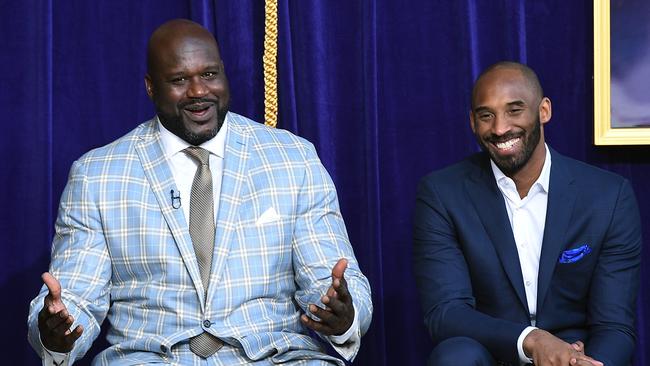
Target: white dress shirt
{"type": "Point", "coordinates": [183, 169]}
{"type": "Point", "coordinates": [527, 219]}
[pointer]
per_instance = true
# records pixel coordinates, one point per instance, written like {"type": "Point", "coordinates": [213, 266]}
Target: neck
{"type": "Point", "coordinates": [528, 174]}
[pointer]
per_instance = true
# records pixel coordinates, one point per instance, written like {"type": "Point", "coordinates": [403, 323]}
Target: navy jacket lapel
{"type": "Point", "coordinates": [561, 199]}
{"type": "Point", "coordinates": [490, 206]}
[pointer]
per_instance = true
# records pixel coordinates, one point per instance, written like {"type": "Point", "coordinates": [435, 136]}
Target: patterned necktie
{"type": "Point", "coordinates": [202, 230]}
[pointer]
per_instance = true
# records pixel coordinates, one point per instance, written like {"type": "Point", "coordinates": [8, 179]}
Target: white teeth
{"type": "Point", "coordinates": [508, 144]}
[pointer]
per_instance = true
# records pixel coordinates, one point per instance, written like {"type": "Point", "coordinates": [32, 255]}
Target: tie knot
{"type": "Point", "coordinates": [199, 154]}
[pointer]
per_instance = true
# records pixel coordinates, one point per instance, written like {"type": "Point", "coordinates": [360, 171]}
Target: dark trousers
{"type": "Point", "coordinates": [460, 351]}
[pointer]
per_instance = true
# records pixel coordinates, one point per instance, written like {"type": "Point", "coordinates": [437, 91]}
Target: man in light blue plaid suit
{"type": "Point", "coordinates": [281, 264]}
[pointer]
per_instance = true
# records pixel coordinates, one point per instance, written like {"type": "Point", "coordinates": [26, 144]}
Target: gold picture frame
{"type": "Point", "coordinates": [604, 133]}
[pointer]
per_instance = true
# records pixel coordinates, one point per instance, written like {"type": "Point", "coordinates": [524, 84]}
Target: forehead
{"type": "Point", "coordinates": [502, 86]}
{"type": "Point", "coordinates": [186, 54]}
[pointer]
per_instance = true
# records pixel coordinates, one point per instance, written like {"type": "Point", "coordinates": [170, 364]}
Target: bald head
{"type": "Point", "coordinates": [169, 35]}
{"type": "Point", "coordinates": [186, 80]}
{"type": "Point", "coordinates": [526, 72]}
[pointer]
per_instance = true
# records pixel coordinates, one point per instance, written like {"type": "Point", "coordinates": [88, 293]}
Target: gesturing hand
{"type": "Point", "coordinates": [54, 321]}
{"type": "Point", "coordinates": [338, 315]}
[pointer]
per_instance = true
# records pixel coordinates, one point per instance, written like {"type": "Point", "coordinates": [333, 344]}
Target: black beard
{"type": "Point", "coordinates": [514, 164]}
{"type": "Point", "coordinates": [195, 139]}
{"type": "Point", "coordinates": [175, 126]}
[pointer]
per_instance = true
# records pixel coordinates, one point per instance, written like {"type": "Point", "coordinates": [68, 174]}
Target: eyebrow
{"type": "Point", "coordinates": [517, 103]}
{"type": "Point", "coordinates": [514, 103]}
{"type": "Point", "coordinates": [183, 72]}
{"type": "Point", "coordinates": [481, 109]}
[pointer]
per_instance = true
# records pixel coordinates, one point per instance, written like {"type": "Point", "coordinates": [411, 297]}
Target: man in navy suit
{"type": "Point", "coordinates": [521, 254]}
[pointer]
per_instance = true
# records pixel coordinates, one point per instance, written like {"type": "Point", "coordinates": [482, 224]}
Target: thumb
{"type": "Point", "coordinates": [339, 268]}
{"type": "Point", "coordinates": [53, 286]}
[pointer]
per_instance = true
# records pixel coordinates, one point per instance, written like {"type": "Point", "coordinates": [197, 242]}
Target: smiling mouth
{"type": "Point", "coordinates": [198, 107]}
{"type": "Point", "coordinates": [507, 145]}
{"type": "Point", "coordinates": [199, 110]}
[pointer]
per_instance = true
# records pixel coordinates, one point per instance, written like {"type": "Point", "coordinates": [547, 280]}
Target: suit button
{"type": "Point", "coordinates": [206, 323]}
{"type": "Point", "coordinates": [163, 348]}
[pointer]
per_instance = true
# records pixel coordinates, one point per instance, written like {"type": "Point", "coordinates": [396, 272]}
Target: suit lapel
{"type": "Point", "coordinates": [233, 181]}
{"type": "Point", "coordinates": [490, 206]}
{"type": "Point", "coordinates": [561, 199]}
{"type": "Point", "coordinates": [161, 180]}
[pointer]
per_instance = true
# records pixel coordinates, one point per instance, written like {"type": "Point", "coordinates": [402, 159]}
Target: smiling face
{"type": "Point", "coordinates": [507, 116]}
{"type": "Point", "coordinates": [186, 81]}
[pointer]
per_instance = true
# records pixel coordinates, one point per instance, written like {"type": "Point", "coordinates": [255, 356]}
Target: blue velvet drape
{"type": "Point", "coordinates": [381, 87]}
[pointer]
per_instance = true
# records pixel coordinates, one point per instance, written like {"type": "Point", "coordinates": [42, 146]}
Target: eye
{"type": "Point", "coordinates": [178, 80]}
{"type": "Point", "coordinates": [485, 116]}
{"type": "Point", "coordinates": [210, 75]}
{"type": "Point", "coordinates": [516, 111]}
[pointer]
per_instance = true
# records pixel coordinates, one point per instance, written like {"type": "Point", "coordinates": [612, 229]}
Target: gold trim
{"type": "Point", "coordinates": [269, 59]}
{"type": "Point", "coordinates": [604, 134]}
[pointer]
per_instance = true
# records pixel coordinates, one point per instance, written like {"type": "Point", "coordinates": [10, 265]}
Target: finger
{"type": "Point", "coordinates": [575, 362]}
{"type": "Point", "coordinates": [341, 287]}
{"type": "Point", "coordinates": [318, 327]}
{"type": "Point", "coordinates": [578, 346]}
{"type": "Point", "coordinates": [324, 315]}
{"type": "Point", "coordinates": [336, 306]}
{"type": "Point", "coordinates": [73, 335]}
{"type": "Point", "coordinates": [49, 313]}
{"type": "Point", "coordinates": [590, 360]}
{"type": "Point", "coordinates": [53, 286]}
{"type": "Point", "coordinates": [331, 292]}
{"type": "Point", "coordinates": [51, 310]}
{"type": "Point", "coordinates": [59, 325]}
{"type": "Point", "coordinates": [325, 300]}
{"type": "Point", "coordinates": [582, 359]}
{"type": "Point", "coordinates": [339, 268]}
{"type": "Point", "coordinates": [45, 313]}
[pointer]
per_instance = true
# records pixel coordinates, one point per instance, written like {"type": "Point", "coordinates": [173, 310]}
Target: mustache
{"type": "Point", "coordinates": [492, 138]}
{"type": "Point", "coordinates": [187, 103]}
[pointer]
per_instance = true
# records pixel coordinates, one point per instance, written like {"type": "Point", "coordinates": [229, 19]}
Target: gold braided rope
{"type": "Point", "coordinates": [270, 63]}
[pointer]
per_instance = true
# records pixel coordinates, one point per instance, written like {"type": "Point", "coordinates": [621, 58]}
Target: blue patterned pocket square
{"type": "Point", "coordinates": [574, 255]}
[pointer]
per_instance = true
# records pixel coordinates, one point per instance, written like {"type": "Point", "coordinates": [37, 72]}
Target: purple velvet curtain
{"type": "Point", "coordinates": [380, 87]}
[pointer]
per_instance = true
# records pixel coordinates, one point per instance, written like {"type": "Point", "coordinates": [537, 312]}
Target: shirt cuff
{"type": "Point", "coordinates": [348, 343]}
{"type": "Point", "coordinates": [51, 358]}
{"type": "Point", "coordinates": [520, 346]}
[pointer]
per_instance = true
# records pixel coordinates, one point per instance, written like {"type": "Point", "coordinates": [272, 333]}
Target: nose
{"type": "Point", "coordinates": [197, 89]}
{"type": "Point", "coordinates": [500, 125]}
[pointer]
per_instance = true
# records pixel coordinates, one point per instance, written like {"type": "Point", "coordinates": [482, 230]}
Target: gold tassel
{"type": "Point", "coordinates": [269, 60]}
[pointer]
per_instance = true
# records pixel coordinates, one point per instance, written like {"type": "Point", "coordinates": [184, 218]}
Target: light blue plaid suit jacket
{"type": "Point", "coordinates": [122, 251]}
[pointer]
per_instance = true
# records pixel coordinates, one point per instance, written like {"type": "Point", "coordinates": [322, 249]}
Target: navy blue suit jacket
{"type": "Point", "coordinates": [467, 267]}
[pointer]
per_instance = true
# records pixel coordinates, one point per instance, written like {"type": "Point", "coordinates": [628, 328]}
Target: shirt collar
{"type": "Point", "coordinates": [173, 144]}
{"type": "Point", "coordinates": [542, 181]}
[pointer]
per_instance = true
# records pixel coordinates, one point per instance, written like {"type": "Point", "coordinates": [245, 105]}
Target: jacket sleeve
{"type": "Point", "coordinates": [614, 286]}
{"type": "Point", "coordinates": [444, 283]}
{"type": "Point", "coordinates": [80, 261]}
{"type": "Point", "coordinates": [320, 240]}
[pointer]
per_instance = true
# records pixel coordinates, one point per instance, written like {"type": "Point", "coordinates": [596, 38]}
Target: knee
{"type": "Point", "coordinates": [460, 351]}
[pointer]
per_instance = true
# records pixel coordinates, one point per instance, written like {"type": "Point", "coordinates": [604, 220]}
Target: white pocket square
{"type": "Point", "coordinates": [269, 215]}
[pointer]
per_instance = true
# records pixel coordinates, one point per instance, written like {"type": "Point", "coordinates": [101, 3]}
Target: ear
{"type": "Point", "coordinates": [545, 110]}
{"type": "Point", "coordinates": [148, 85]}
{"type": "Point", "coordinates": [471, 121]}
